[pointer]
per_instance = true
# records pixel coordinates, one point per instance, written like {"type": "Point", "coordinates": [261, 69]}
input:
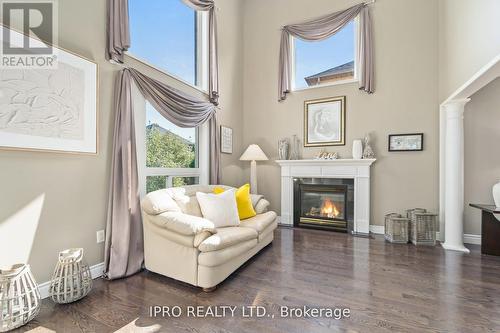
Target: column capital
{"type": "Point", "coordinates": [455, 108]}
{"type": "Point", "coordinates": [459, 102]}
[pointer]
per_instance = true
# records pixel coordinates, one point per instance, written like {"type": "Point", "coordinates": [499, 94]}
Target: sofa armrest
{"type": "Point", "coordinates": [261, 206]}
{"type": "Point", "coordinates": [184, 224]}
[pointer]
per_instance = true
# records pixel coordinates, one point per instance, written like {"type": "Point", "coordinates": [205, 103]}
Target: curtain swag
{"type": "Point", "coordinates": [119, 37]}
{"type": "Point", "coordinates": [124, 250]}
{"type": "Point", "coordinates": [322, 28]}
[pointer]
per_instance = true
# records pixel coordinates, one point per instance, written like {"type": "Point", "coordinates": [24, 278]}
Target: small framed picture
{"type": "Point", "coordinates": [324, 122]}
{"type": "Point", "coordinates": [406, 142]}
{"type": "Point", "coordinates": [226, 140]}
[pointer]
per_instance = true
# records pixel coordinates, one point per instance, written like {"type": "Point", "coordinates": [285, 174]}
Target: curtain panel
{"type": "Point", "coordinates": [124, 248]}
{"type": "Point", "coordinates": [213, 64]}
{"type": "Point", "coordinates": [118, 33]}
{"type": "Point", "coordinates": [322, 28]}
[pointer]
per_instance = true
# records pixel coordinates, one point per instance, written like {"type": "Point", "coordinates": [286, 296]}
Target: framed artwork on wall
{"type": "Point", "coordinates": [324, 122]}
{"type": "Point", "coordinates": [226, 140]}
{"type": "Point", "coordinates": [51, 109]}
{"type": "Point", "coordinates": [406, 142]}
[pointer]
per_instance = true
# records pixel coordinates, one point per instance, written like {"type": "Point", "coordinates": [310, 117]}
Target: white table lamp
{"type": "Point", "coordinates": [253, 154]}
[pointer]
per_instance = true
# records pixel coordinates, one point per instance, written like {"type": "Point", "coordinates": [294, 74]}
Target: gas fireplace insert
{"type": "Point", "coordinates": [324, 203]}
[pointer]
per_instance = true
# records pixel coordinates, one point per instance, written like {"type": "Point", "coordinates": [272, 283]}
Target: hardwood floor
{"type": "Point", "coordinates": [388, 288]}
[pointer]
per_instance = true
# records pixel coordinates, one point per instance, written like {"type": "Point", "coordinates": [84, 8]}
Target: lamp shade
{"type": "Point", "coordinates": [253, 153]}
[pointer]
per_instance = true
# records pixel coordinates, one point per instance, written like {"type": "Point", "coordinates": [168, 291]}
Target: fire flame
{"type": "Point", "coordinates": [329, 209]}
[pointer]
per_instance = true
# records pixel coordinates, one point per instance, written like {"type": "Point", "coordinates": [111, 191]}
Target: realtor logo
{"type": "Point", "coordinates": [28, 33]}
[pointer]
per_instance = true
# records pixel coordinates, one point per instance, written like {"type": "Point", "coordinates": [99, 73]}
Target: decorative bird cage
{"type": "Point", "coordinates": [19, 297]}
{"type": "Point", "coordinates": [71, 280]}
{"type": "Point", "coordinates": [396, 228]}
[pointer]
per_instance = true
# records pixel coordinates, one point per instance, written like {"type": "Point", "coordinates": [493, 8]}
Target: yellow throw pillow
{"type": "Point", "coordinates": [243, 201]}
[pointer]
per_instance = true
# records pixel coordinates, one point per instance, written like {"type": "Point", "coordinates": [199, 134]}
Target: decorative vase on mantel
{"type": "Point", "coordinates": [283, 149]}
{"type": "Point", "coordinates": [357, 149]}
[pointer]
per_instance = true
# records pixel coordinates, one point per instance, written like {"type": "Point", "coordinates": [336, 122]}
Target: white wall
{"type": "Point", "coordinates": [482, 160]}
{"type": "Point", "coordinates": [469, 37]}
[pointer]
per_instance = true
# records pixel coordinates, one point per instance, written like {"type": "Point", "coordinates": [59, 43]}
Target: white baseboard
{"type": "Point", "coordinates": [472, 239]}
{"type": "Point", "coordinates": [377, 229]}
{"type": "Point", "coordinates": [380, 230]}
{"type": "Point", "coordinates": [96, 271]}
{"type": "Point", "coordinates": [468, 238]}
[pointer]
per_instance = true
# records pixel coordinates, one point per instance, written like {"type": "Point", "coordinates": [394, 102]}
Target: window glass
{"type": "Point", "coordinates": [168, 145]}
{"type": "Point", "coordinates": [163, 33]}
{"type": "Point", "coordinates": [327, 61]}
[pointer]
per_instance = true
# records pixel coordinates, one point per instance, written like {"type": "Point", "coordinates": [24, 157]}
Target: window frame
{"type": "Point", "coordinates": [201, 56]}
{"type": "Point", "coordinates": [355, 79]}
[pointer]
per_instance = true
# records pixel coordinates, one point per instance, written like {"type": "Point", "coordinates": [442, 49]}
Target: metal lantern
{"type": "Point", "coordinates": [71, 280]}
{"type": "Point", "coordinates": [19, 297]}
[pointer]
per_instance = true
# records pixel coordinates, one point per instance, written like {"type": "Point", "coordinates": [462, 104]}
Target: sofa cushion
{"type": "Point", "coordinates": [158, 202]}
{"type": "Point", "coordinates": [183, 224]}
{"type": "Point", "coordinates": [186, 202]}
{"type": "Point", "coordinates": [221, 208]}
{"type": "Point", "coordinates": [226, 237]}
{"type": "Point", "coordinates": [259, 222]}
{"type": "Point", "coordinates": [261, 206]}
{"type": "Point", "coordinates": [216, 258]}
{"type": "Point", "coordinates": [243, 201]}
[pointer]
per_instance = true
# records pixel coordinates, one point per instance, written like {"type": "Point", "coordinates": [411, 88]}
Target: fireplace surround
{"type": "Point", "coordinates": [358, 171]}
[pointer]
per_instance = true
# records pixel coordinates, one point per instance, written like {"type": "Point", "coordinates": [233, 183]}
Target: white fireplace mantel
{"type": "Point", "coordinates": [359, 170]}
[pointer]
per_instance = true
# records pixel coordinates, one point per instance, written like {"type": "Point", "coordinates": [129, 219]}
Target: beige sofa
{"type": "Point", "coordinates": [181, 244]}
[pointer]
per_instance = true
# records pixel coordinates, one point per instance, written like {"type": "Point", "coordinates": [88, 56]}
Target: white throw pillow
{"type": "Point", "coordinates": [221, 209]}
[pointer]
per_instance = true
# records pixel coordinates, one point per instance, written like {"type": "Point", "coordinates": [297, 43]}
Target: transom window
{"type": "Point", "coordinates": [170, 36]}
{"type": "Point", "coordinates": [325, 62]}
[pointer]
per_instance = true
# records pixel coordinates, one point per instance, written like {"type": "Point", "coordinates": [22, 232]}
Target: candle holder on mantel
{"type": "Point", "coordinates": [71, 280]}
{"type": "Point", "coordinates": [19, 297]}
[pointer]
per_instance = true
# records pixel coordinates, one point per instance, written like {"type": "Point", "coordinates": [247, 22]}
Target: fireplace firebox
{"type": "Point", "coordinates": [324, 203]}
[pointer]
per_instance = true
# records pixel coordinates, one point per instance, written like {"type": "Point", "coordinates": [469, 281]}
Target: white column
{"type": "Point", "coordinates": [454, 176]}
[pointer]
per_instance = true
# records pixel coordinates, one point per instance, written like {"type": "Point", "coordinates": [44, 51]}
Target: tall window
{"type": "Point", "coordinates": [325, 62]}
{"type": "Point", "coordinates": [171, 153]}
{"type": "Point", "coordinates": [169, 35]}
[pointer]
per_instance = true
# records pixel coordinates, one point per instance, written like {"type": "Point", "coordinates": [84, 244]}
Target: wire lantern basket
{"type": "Point", "coordinates": [19, 297]}
{"type": "Point", "coordinates": [396, 228]}
{"type": "Point", "coordinates": [71, 280]}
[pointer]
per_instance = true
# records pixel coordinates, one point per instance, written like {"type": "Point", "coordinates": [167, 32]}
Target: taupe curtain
{"type": "Point", "coordinates": [118, 33]}
{"type": "Point", "coordinates": [213, 64]}
{"type": "Point", "coordinates": [322, 28]}
{"type": "Point", "coordinates": [124, 250]}
{"type": "Point", "coordinates": [118, 37]}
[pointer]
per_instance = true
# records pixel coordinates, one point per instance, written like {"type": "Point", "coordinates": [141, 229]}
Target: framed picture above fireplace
{"type": "Point", "coordinates": [324, 122]}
